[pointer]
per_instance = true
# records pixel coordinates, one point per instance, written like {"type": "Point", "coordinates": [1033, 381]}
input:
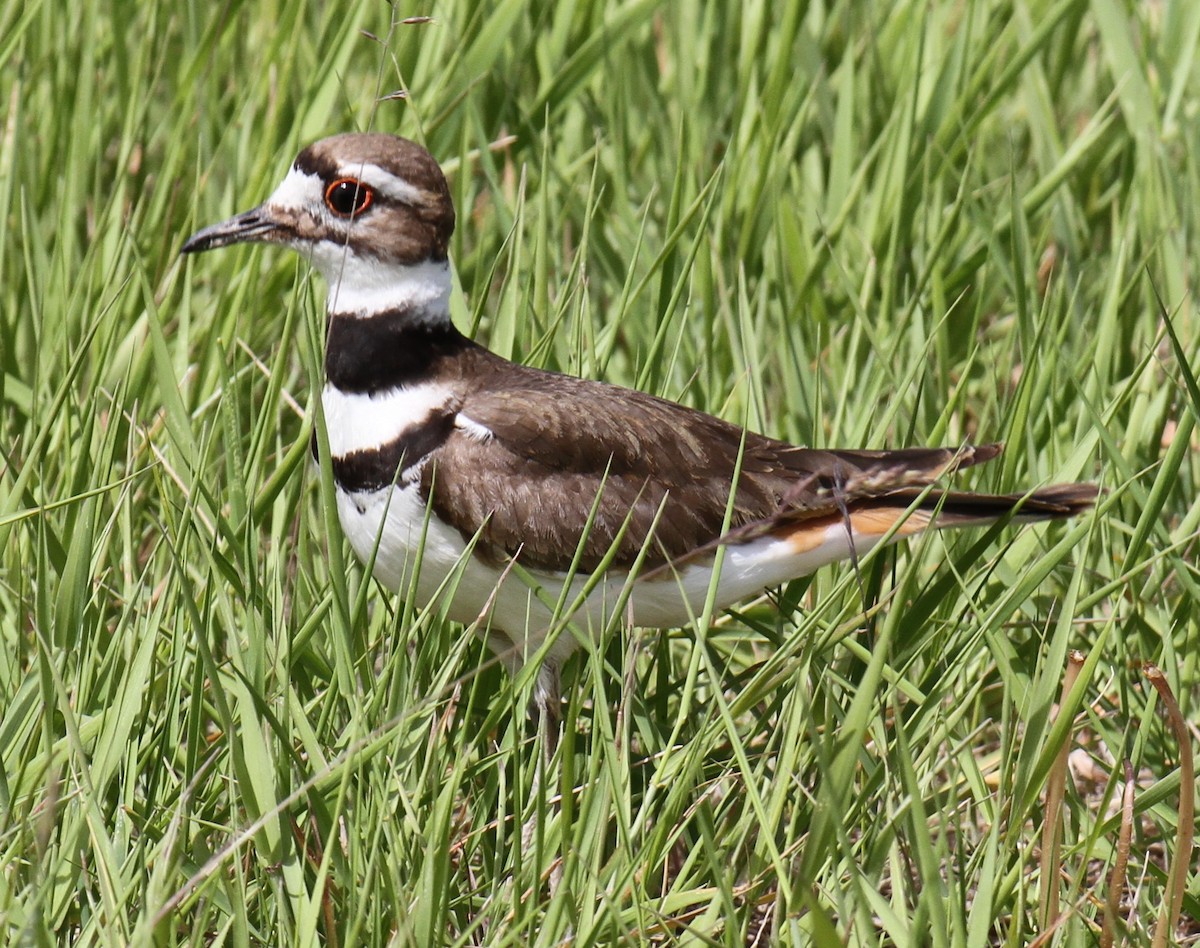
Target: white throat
{"type": "Point", "coordinates": [363, 288]}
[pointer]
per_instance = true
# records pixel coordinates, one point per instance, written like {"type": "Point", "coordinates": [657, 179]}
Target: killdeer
{"type": "Point", "coordinates": [448, 457]}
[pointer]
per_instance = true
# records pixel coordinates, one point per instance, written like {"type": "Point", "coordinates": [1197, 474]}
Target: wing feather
{"type": "Point", "coordinates": [560, 448]}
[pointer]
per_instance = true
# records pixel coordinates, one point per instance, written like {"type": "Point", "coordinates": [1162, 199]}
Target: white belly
{"type": "Point", "coordinates": [507, 602]}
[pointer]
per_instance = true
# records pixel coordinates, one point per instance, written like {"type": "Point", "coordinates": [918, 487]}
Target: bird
{"type": "Point", "coordinates": [451, 461]}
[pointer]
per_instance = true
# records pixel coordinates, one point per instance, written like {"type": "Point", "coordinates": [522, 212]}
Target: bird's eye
{"type": "Point", "coordinates": [347, 197]}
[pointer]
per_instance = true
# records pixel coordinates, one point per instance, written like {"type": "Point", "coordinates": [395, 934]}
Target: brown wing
{"type": "Point", "coordinates": [561, 448]}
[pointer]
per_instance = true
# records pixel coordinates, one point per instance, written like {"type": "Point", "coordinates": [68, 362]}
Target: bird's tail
{"type": "Point", "coordinates": [961, 508]}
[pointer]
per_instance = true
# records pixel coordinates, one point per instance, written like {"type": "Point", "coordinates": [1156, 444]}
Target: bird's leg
{"type": "Point", "coordinates": [547, 702]}
{"type": "Point", "coordinates": [547, 698]}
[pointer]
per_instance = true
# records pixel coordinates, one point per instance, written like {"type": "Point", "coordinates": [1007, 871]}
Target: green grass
{"type": "Point", "coordinates": [843, 223]}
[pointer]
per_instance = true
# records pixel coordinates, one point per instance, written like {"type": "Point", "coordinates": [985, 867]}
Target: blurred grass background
{"type": "Point", "coordinates": [842, 223]}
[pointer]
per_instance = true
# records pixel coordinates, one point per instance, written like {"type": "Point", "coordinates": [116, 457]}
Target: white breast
{"type": "Point", "coordinates": [395, 518]}
{"type": "Point", "coordinates": [358, 421]}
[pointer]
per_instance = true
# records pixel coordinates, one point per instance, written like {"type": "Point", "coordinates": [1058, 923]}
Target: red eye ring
{"type": "Point", "coordinates": [348, 197]}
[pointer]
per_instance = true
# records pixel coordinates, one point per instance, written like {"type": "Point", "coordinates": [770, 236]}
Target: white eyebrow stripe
{"type": "Point", "coordinates": [386, 183]}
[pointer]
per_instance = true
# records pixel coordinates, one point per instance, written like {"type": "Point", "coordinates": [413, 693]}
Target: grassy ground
{"type": "Point", "coordinates": [855, 224]}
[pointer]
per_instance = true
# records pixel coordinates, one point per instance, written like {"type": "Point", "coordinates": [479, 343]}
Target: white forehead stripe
{"type": "Point", "coordinates": [298, 190]}
{"type": "Point", "coordinates": [386, 183]}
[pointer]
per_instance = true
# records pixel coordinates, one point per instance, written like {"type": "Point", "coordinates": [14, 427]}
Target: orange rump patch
{"type": "Point", "coordinates": [809, 535]}
{"type": "Point", "coordinates": [806, 538]}
{"type": "Point", "coordinates": [876, 521]}
{"type": "Point", "coordinates": [866, 522]}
